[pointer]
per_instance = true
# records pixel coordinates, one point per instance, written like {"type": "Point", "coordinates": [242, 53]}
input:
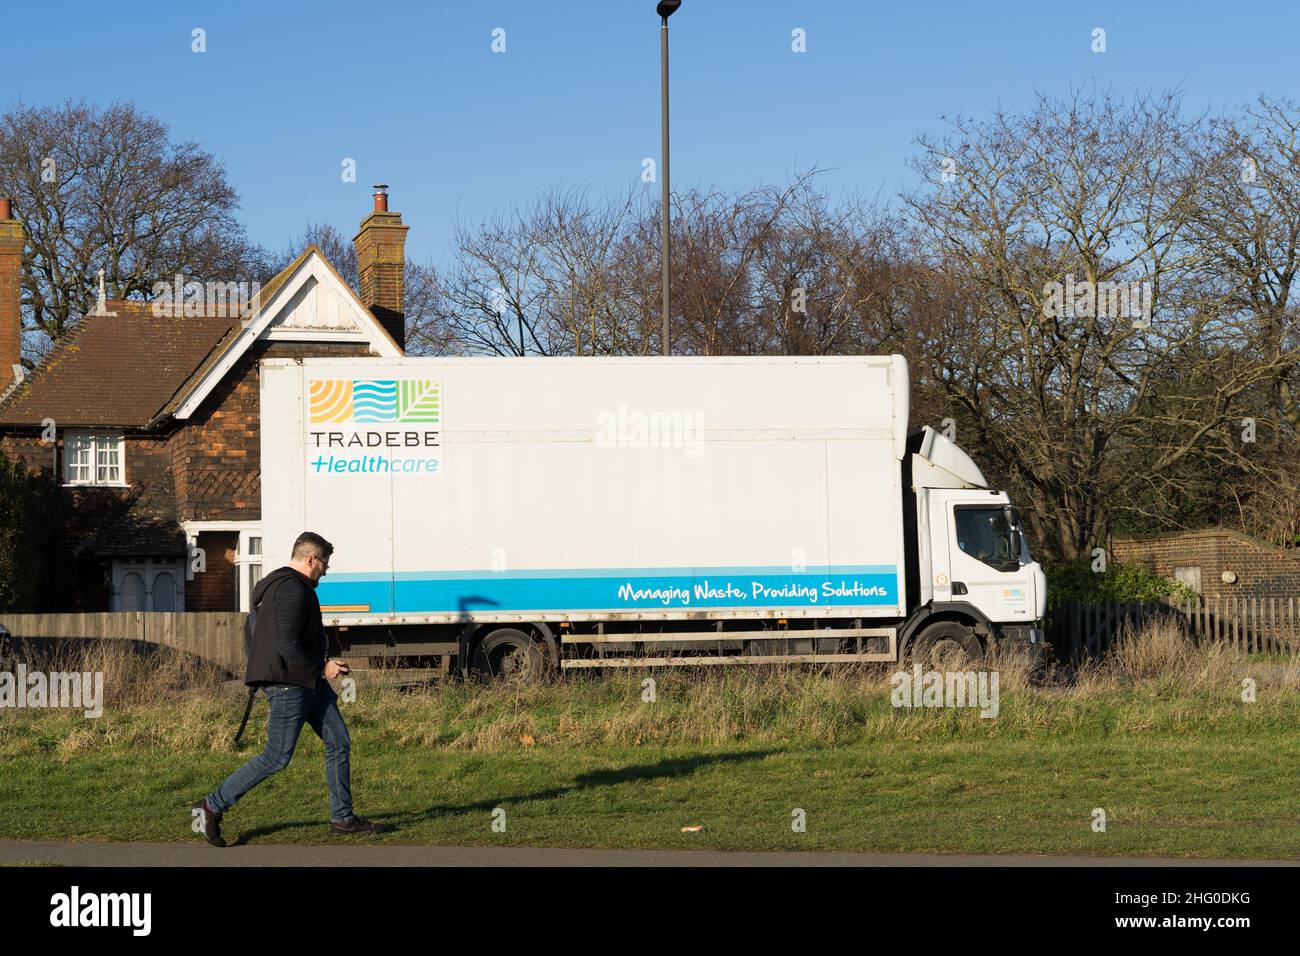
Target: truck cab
{"type": "Point", "coordinates": [972, 565]}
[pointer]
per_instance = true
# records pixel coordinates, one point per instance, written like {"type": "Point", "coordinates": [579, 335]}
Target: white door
{"type": "Point", "coordinates": [148, 584]}
{"type": "Point", "coordinates": [983, 562]}
{"type": "Point", "coordinates": [132, 592]}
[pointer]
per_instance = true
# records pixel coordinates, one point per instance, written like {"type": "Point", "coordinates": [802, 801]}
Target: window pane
{"type": "Point", "coordinates": [255, 546]}
{"type": "Point", "coordinates": [164, 592]}
{"type": "Point", "coordinates": [77, 448]}
{"type": "Point", "coordinates": [107, 469]}
{"type": "Point", "coordinates": [985, 534]}
{"type": "Point", "coordinates": [132, 592]}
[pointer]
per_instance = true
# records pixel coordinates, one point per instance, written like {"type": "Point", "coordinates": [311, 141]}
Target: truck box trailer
{"type": "Point", "coordinates": [522, 514]}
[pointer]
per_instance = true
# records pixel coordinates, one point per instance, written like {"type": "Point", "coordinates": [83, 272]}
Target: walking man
{"type": "Point", "coordinates": [287, 660]}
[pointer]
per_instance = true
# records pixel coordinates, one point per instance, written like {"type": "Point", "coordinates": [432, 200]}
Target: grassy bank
{"type": "Point", "coordinates": [1157, 735]}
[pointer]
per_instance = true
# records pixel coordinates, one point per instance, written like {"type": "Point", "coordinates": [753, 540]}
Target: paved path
{"type": "Point", "coordinates": [356, 853]}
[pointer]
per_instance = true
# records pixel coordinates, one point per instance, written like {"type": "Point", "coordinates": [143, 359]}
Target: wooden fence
{"type": "Point", "coordinates": [1249, 625]}
{"type": "Point", "coordinates": [215, 636]}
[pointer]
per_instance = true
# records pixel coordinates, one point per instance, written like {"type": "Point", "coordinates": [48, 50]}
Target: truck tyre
{"type": "Point", "coordinates": [510, 654]}
{"type": "Point", "coordinates": [946, 646]}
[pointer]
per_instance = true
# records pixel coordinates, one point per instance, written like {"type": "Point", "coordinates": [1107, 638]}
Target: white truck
{"type": "Point", "coordinates": [519, 515]}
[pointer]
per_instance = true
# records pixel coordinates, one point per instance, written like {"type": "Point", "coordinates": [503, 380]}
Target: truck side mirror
{"type": "Point", "coordinates": [1017, 547]}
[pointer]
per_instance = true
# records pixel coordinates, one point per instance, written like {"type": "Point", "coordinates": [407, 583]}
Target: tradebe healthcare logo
{"type": "Point", "coordinates": [376, 427]}
{"type": "Point", "coordinates": [374, 400]}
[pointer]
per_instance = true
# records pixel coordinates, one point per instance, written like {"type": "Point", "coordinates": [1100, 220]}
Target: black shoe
{"type": "Point", "coordinates": [211, 823]}
{"type": "Point", "coordinates": [355, 824]}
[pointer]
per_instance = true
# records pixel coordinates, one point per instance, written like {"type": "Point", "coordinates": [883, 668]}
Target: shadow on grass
{"type": "Point", "coordinates": [671, 768]}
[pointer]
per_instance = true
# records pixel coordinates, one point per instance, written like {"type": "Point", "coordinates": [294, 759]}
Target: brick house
{"type": "Point", "coordinates": [147, 424]}
{"type": "Point", "coordinates": [1203, 559]}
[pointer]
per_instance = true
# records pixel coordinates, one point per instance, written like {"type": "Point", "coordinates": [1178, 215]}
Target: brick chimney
{"type": "Point", "coordinates": [381, 259]}
{"type": "Point", "coordinates": [11, 294]}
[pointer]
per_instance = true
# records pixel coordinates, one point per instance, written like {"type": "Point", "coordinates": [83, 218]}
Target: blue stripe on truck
{"type": "Point", "coordinates": [613, 589]}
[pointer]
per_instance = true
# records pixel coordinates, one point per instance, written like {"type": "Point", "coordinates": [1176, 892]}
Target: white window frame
{"type": "Point", "coordinates": [94, 443]}
{"type": "Point", "coordinates": [243, 559]}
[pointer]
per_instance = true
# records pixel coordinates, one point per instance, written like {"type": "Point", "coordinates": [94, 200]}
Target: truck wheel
{"type": "Point", "coordinates": [946, 646]}
{"type": "Point", "coordinates": [510, 654]}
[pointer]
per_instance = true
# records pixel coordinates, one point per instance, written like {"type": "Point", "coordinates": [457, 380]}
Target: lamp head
{"type": "Point", "coordinates": [667, 8]}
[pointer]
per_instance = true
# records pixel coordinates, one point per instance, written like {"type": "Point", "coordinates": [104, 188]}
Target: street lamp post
{"type": "Point", "coordinates": [665, 9]}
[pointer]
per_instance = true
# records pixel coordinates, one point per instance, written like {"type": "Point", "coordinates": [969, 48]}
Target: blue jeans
{"type": "Point", "coordinates": [291, 707]}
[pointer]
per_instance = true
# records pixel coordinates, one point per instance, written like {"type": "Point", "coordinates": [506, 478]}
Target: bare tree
{"type": "Point", "coordinates": [826, 276]}
{"type": "Point", "coordinates": [560, 276]}
{"type": "Point", "coordinates": [108, 189]}
{"type": "Point", "coordinates": [1042, 221]}
{"type": "Point", "coordinates": [567, 275]}
{"type": "Point", "coordinates": [426, 332]}
{"type": "Point", "coordinates": [337, 248]}
{"type": "Point", "coordinates": [491, 300]}
{"type": "Point", "coordinates": [1247, 221]}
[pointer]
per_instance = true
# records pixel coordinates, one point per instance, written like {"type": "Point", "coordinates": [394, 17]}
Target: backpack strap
{"type": "Point", "coordinates": [248, 709]}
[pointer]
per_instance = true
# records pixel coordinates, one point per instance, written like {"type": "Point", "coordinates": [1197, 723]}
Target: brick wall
{"type": "Point", "coordinates": [214, 588]}
{"type": "Point", "coordinates": [208, 469]}
{"type": "Point", "coordinates": [11, 319]}
{"type": "Point", "coordinates": [28, 449]}
{"type": "Point", "coordinates": [1261, 570]}
{"type": "Point", "coordinates": [216, 456]}
{"type": "Point", "coordinates": [75, 577]}
{"type": "Point", "coordinates": [63, 576]}
{"type": "Point", "coordinates": [381, 265]}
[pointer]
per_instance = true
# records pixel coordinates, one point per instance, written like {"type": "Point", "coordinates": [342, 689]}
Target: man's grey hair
{"type": "Point", "coordinates": [310, 544]}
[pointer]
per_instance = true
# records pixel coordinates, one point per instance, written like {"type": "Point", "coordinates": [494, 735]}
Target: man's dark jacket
{"type": "Point", "coordinates": [289, 644]}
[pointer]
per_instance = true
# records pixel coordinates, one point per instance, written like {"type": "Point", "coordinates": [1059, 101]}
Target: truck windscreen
{"type": "Point", "coordinates": [985, 534]}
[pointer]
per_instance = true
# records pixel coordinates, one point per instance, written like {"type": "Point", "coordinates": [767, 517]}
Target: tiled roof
{"type": "Point", "coordinates": [129, 370]}
{"type": "Point", "coordinates": [228, 338]}
{"type": "Point", "coordinates": [145, 522]}
{"type": "Point", "coordinates": [120, 540]}
{"type": "Point", "coordinates": [115, 370]}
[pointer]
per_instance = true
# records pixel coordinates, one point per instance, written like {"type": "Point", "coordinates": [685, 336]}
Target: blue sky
{"type": "Point", "coordinates": [414, 93]}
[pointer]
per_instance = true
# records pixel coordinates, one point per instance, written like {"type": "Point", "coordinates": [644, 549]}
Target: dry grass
{"type": "Point", "coordinates": [1160, 655]}
{"type": "Point", "coordinates": [133, 674]}
{"type": "Point", "coordinates": [1153, 680]}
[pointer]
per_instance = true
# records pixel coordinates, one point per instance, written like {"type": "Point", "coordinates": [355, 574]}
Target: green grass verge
{"type": "Point", "coordinates": [1181, 766]}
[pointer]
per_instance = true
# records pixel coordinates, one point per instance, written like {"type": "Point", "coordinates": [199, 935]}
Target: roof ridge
{"type": "Point", "coordinates": [222, 346]}
{"type": "Point", "coordinates": [267, 293]}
